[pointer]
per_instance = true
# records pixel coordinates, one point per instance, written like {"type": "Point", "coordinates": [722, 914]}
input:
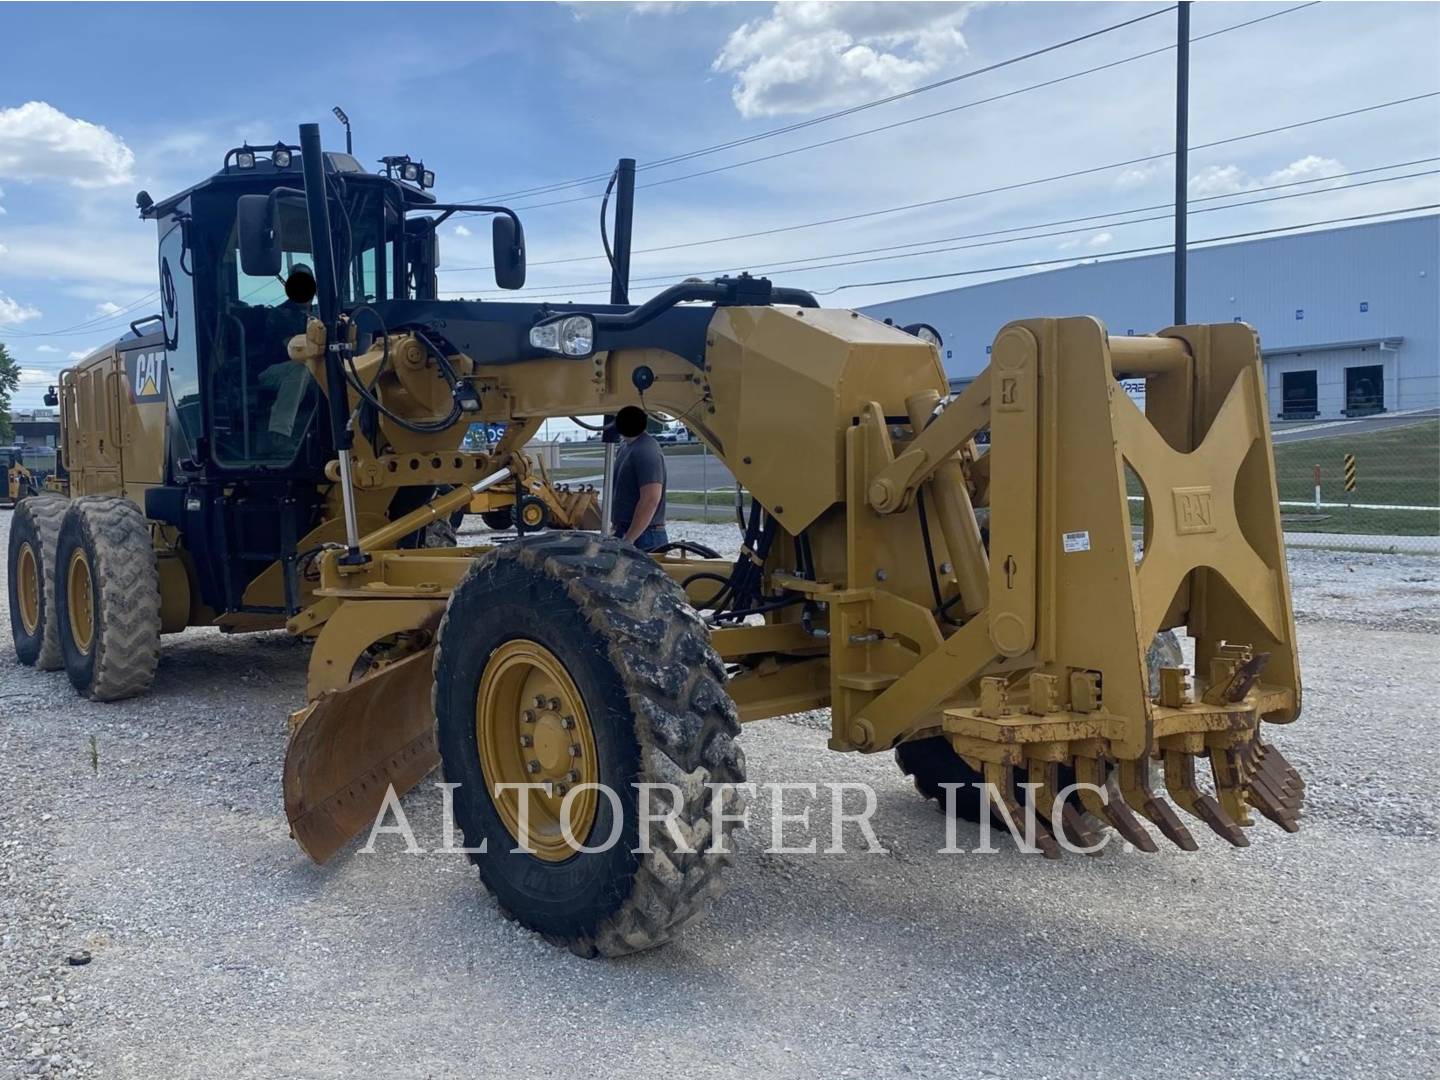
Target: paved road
{"type": "Point", "coordinates": [1325, 429]}
{"type": "Point", "coordinates": [685, 471]}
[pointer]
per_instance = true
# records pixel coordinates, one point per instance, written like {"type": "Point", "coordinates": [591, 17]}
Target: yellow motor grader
{"type": "Point", "coordinates": [274, 452]}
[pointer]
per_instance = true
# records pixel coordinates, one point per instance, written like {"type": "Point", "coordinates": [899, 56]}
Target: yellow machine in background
{"type": "Point", "coordinates": [287, 465]}
{"type": "Point", "coordinates": [27, 470]}
{"type": "Point", "coordinates": [537, 503]}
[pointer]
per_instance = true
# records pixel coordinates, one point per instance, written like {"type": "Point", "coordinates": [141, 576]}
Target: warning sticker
{"type": "Point", "coordinates": [1077, 541]}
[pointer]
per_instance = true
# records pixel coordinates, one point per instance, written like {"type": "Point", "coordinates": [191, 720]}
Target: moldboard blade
{"type": "Point", "coordinates": [351, 746]}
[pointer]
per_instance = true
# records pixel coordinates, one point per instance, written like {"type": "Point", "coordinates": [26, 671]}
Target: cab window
{"type": "Point", "coordinates": [262, 402]}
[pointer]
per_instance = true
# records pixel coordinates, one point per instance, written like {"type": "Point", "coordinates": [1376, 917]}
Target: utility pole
{"type": "Point", "coordinates": [1182, 157]}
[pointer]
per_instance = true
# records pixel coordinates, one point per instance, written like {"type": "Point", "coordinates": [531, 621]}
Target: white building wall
{"type": "Point", "coordinates": [1309, 293]}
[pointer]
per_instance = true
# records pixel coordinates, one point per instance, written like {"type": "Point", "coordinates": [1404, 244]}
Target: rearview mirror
{"type": "Point", "coordinates": [508, 241]}
{"type": "Point", "coordinates": [258, 224]}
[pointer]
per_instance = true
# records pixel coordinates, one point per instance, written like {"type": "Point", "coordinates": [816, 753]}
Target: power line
{"type": "Point", "coordinates": [928, 116]}
{"type": "Point", "coordinates": [94, 325]}
{"type": "Point", "coordinates": [1109, 256]}
{"type": "Point", "coordinates": [808, 263]}
{"type": "Point", "coordinates": [986, 191]}
{"type": "Point", "coordinates": [837, 114]}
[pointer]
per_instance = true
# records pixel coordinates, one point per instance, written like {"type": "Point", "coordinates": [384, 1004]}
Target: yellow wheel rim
{"type": "Point", "coordinates": [532, 727]}
{"type": "Point", "coordinates": [532, 514]}
{"type": "Point", "coordinates": [80, 599]}
{"type": "Point", "coordinates": [27, 582]}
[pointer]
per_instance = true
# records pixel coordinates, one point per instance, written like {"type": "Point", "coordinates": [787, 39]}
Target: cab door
{"type": "Point", "coordinates": [91, 403]}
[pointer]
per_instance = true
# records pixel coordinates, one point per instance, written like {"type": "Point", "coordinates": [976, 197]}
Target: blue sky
{"type": "Point", "coordinates": [499, 98]}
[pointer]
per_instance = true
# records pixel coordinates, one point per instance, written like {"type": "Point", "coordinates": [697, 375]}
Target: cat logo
{"type": "Point", "coordinates": [147, 376]}
{"type": "Point", "coordinates": [1194, 510]}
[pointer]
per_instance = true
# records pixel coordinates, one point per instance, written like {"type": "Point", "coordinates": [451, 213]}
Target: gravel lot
{"type": "Point", "coordinates": [150, 834]}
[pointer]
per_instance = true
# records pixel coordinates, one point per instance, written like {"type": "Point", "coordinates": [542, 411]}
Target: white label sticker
{"type": "Point", "coordinates": [1077, 541]}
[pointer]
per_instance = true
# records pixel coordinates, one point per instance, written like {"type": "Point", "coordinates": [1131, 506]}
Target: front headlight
{"type": "Point", "coordinates": [570, 335]}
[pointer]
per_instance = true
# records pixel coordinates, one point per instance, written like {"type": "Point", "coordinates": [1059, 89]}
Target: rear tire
{"type": "Point", "coordinates": [932, 762]}
{"type": "Point", "coordinates": [34, 533]}
{"type": "Point", "coordinates": [651, 704]}
{"type": "Point", "coordinates": [499, 520]}
{"type": "Point", "coordinates": [107, 598]}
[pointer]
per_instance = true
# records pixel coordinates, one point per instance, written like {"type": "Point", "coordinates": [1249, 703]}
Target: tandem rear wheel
{"type": "Point", "coordinates": [107, 598]}
{"type": "Point", "coordinates": [573, 661]}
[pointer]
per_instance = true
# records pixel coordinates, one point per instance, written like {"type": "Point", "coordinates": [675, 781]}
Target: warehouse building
{"type": "Point", "coordinates": [1349, 318]}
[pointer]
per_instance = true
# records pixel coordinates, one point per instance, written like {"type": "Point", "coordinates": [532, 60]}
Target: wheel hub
{"type": "Point", "coordinates": [532, 727]}
{"type": "Point", "coordinates": [80, 598]}
{"type": "Point", "coordinates": [27, 582]}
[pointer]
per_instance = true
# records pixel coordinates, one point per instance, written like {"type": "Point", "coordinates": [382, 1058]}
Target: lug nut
{"type": "Point", "coordinates": [561, 789]}
{"type": "Point", "coordinates": [554, 704]}
{"type": "Point", "coordinates": [574, 750]}
{"type": "Point", "coordinates": [532, 766]}
{"type": "Point", "coordinates": [526, 740]}
{"type": "Point", "coordinates": [539, 701]}
{"type": "Point", "coordinates": [567, 722]}
{"type": "Point", "coordinates": [572, 777]}
{"type": "Point", "coordinates": [530, 716]}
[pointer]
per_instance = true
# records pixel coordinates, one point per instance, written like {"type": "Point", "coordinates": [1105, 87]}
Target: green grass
{"type": "Point", "coordinates": [570, 472]}
{"type": "Point", "coordinates": [1399, 466]}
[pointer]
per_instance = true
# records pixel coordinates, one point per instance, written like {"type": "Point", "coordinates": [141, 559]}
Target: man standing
{"type": "Point", "coordinates": [638, 513]}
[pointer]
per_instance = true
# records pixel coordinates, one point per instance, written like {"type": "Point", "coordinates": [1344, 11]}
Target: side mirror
{"type": "Point", "coordinates": [52, 398]}
{"type": "Point", "coordinates": [508, 241]}
{"type": "Point", "coordinates": [258, 223]}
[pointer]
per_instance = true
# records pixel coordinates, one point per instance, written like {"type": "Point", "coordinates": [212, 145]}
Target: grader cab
{"type": "Point", "coordinates": [259, 460]}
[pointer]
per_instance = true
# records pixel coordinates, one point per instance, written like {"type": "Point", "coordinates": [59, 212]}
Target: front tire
{"type": "Point", "coordinates": [34, 533]}
{"type": "Point", "coordinates": [532, 513]}
{"type": "Point", "coordinates": [107, 598]}
{"type": "Point", "coordinates": [629, 691]}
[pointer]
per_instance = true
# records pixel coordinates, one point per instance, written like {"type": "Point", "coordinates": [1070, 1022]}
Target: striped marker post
{"type": "Point", "coordinates": [1349, 480]}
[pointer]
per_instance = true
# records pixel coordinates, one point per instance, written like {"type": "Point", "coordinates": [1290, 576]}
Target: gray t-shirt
{"type": "Point", "coordinates": [639, 462]}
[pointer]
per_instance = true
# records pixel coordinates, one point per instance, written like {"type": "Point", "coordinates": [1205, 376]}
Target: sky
{"type": "Point", "coordinates": [501, 99]}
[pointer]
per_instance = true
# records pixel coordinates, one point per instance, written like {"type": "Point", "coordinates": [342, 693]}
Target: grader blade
{"type": "Point", "coordinates": [1111, 810]}
{"type": "Point", "coordinates": [1135, 785]}
{"type": "Point", "coordinates": [1180, 782]}
{"type": "Point", "coordinates": [350, 746]}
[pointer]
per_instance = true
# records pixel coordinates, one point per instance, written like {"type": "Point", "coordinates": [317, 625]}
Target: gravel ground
{"type": "Point", "coordinates": [150, 835]}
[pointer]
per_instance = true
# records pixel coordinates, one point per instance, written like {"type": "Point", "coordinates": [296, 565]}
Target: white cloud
{"type": "Point", "coordinates": [1217, 180]}
{"type": "Point", "coordinates": [1100, 239]}
{"type": "Point", "coordinates": [807, 56]}
{"type": "Point", "coordinates": [46, 348]}
{"type": "Point", "coordinates": [39, 142]}
{"type": "Point", "coordinates": [115, 258]}
{"type": "Point", "coordinates": [79, 354]}
{"type": "Point", "coordinates": [1231, 179]}
{"type": "Point", "coordinates": [35, 377]}
{"type": "Point", "coordinates": [13, 313]}
{"type": "Point", "coordinates": [1139, 175]}
{"type": "Point", "coordinates": [461, 230]}
{"type": "Point", "coordinates": [109, 307]}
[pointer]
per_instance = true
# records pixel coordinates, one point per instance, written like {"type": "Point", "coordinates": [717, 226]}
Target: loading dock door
{"type": "Point", "coordinates": [1364, 390]}
{"type": "Point", "coordinates": [1298, 397]}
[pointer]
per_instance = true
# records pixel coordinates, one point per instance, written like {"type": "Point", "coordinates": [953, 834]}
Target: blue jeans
{"type": "Point", "coordinates": [652, 538]}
